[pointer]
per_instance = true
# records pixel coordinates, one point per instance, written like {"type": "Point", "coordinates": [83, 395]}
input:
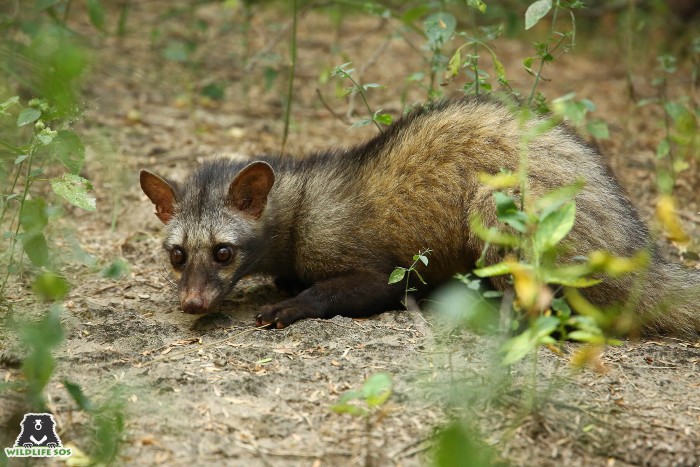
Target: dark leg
{"type": "Point", "coordinates": [289, 287]}
{"type": "Point", "coordinates": [355, 294]}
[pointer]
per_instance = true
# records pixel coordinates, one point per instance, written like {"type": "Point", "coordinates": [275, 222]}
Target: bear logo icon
{"type": "Point", "coordinates": [38, 430]}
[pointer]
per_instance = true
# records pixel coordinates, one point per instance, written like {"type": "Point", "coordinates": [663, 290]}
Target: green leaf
{"type": "Point", "coordinates": [14, 100]}
{"type": "Point", "coordinates": [377, 389]}
{"type": "Point", "coordinates": [28, 115]}
{"type": "Point", "coordinates": [412, 14]}
{"type": "Point", "coordinates": [536, 11]}
{"type": "Point", "coordinates": [46, 136]}
{"type": "Point", "coordinates": [215, 91]}
{"type": "Point", "coordinates": [423, 259]}
{"type": "Point", "coordinates": [598, 129]}
{"type": "Point", "coordinates": [586, 336]}
{"type": "Point", "coordinates": [43, 4]}
{"type": "Point", "coordinates": [508, 212]}
{"type": "Point", "coordinates": [349, 396]}
{"type": "Point", "coordinates": [96, 13]}
{"type": "Point", "coordinates": [454, 64]}
{"type": "Point", "coordinates": [538, 333]}
{"type": "Point", "coordinates": [560, 305]}
{"type": "Point", "coordinates": [34, 216]}
{"type": "Point", "coordinates": [492, 294]}
{"type": "Point", "coordinates": [36, 248]}
{"type": "Point", "coordinates": [462, 445]}
{"type": "Point", "coordinates": [439, 28]}
{"type": "Point", "coordinates": [556, 198]}
{"type": "Point", "coordinates": [178, 51]}
{"type": "Point", "coordinates": [361, 123]}
{"type": "Point", "coordinates": [349, 409]}
{"type": "Point", "coordinates": [51, 286]}
{"type": "Point", "coordinates": [69, 150]}
{"type": "Point", "coordinates": [478, 4]}
{"type": "Point", "coordinates": [21, 158]}
{"type": "Point", "coordinates": [384, 119]}
{"type": "Point", "coordinates": [397, 275]}
{"type": "Point", "coordinates": [554, 227]}
{"type": "Point", "coordinates": [495, 270]}
{"type": "Point", "coordinates": [117, 269]}
{"type": "Point", "coordinates": [76, 392]}
{"type": "Point", "coordinates": [74, 189]}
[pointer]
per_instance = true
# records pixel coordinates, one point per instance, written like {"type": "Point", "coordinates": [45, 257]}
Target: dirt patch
{"type": "Point", "coordinates": [215, 390]}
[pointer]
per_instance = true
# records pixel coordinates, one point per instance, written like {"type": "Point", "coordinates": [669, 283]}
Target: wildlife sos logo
{"type": "Point", "coordinates": [38, 438]}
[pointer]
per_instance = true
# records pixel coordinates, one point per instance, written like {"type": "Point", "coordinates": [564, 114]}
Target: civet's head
{"type": "Point", "coordinates": [211, 226]}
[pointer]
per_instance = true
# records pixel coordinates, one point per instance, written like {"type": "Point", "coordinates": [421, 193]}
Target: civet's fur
{"type": "Point", "coordinates": [337, 223]}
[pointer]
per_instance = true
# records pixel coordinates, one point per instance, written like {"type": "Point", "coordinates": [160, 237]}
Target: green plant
{"type": "Point", "coordinates": [376, 117]}
{"type": "Point", "coordinates": [368, 403]}
{"type": "Point", "coordinates": [556, 41]}
{"type": "Point", "coordinates": [398, 274]}
{"type": "Point", "coordinates": [24, 212]}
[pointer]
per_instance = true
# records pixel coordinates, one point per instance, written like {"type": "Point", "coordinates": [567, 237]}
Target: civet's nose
{"type": "Point", "coordinates": [194, 305]}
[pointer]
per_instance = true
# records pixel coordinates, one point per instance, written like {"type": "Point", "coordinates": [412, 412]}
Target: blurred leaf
{"type": "Point", "coordinates": [377, 389]}
{"type": "Point", "coordinates": [454, 65]}
{"type": "Point", "coordinates": [76, 392]}
{"type": "Point", "coordinates": [96, 13]}
{"type": "Point", "coordinates": [28, 115]}
{"type": "Point", "coordinates": [43, 4]}
{"type": "Point", "coordinates": [556, 198]}
{"type": "Point", "coordinates": [14, 100]}
{"type": "Point", "coordinates": [554, 227]}
{"type": "Point", "coordinates": [74, 189]}
{"type": "Point", "coordinates": [460, 446]}
{"type": "Point", "coordinates": [598, 129]}
{"type": "Point", "coordinates": [536, 11]}
{"type": "Point", "coordinates": [51, 286]}
{"type": "Point", "coordinates": [495, 270]}
{"type": "Point", "coordinates": [439, 28]}
{"type": "Point", "coordinates": [412, 14]}
{"type": "Point", "coordinates": [34, 216]}
{"type": "Point", "coordinates": [46, 136]}
{"type": "Point", "coordinates": [178, 51]}
{"type": "Point", "coordinates": [667, 214]}
{"type": "Point", "coordinates": [492, 234]}
{"type": "Point", "coordinates": [69, 150]}
{"type": "Point", "coordinates": [478, 4]}
{"type": "Point", "coordinates": [508, 212]}
{"type": "Point", "coordinates": [215, 91]}
{"type": "Point", "coordinates": [538, 333]}
{"type": "Point", "coordinates": [499, 181]}
{"type": "Point", "coordinates": [384, 119]}
{"type": "Point", "coordinates": [36, 248]}
{"type": "Point", "coordinates": [117, 269]}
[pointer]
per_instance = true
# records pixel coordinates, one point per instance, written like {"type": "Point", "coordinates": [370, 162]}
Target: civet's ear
{"type": "Point", "coordinates": [160, 193]}
{"type": "Point", "coordinates": [248, 191]}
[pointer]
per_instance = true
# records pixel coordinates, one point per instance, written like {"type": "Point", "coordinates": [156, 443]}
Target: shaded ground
{"type": "Point", "coordinates": [214, 390]}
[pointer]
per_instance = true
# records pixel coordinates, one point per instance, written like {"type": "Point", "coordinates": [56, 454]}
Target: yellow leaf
{"type": "Point", "coordinates": [498, 181]}
{"type": "Point", "coordinates": [589, 356]}
{"type": "Point", "coordinates": [667, 215]}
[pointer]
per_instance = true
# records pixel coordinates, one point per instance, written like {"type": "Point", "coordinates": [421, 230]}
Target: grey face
{"type": "Point", "coordinates": [211, 225]}
{"type": "Point", "coordinates": [206, 256]}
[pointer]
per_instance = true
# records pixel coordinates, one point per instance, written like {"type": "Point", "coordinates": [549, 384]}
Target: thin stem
{"type": "Point", "coordinates": [290, 83]}
{"type": "Point", "coordinates": [360, 90]}
{"type": "Point", "coordinates": [546, 51]}
{"type": "Point", "coordinates": [476, 56]}
{"type": "Point", "coordinates": [13, 242]}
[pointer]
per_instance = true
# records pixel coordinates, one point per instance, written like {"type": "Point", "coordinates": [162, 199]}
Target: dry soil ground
{"type": "Point", "coordinates": [213, 390]}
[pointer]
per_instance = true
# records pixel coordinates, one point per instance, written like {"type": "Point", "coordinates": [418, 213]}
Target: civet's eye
{"type": "Point", "coordinates": [178, 256]}
{"type": "Point", "coordinates": [223, 254]}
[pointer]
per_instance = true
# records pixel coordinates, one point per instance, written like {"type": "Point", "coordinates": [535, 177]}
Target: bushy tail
{"type": "Point", "coordinates": [670, 303]}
